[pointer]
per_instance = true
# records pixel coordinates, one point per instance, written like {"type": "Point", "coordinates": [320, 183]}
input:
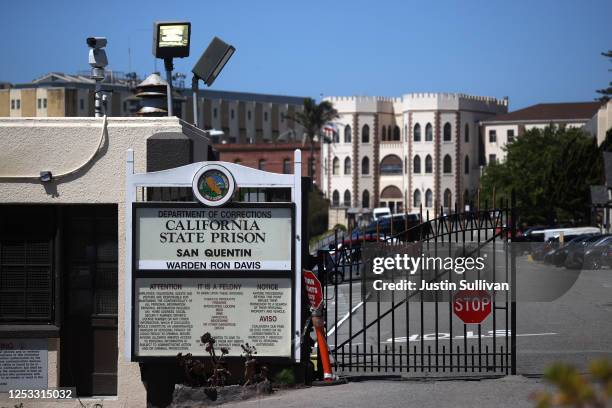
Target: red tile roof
{"type": "Point", "coordinates": [550, 112]}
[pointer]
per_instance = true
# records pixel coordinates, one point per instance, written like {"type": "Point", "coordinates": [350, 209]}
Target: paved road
{"type": "Point", "coordinates": [576, 327]}
{"type": "Point", "coordinates": [509, 392]}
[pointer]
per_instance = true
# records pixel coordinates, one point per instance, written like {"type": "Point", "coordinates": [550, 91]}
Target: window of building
{"type": "Point", "coordinates": [347, 198]}
{"type": "Point", "coordinates": [447, 167]}
{"type": "Point", "coordinates": [396, 134]}
{"type": "Point", "coordinates": [336, 166]}
{"type": "Point", "coordinates": [406, 164]}
{"type": "Point", "coordinates": [384, 133]}
{"type": "Point", "coordinates": [428, 164]}
{"type": "Point", "coordinates": [262, 164]}
{"type": "Point", "coordinates": [336, 137]}
{"type": "Point", "coordinates": [215, 113]}
{"type": "Point", "coordinates": [446, 133]}
{"type": "Point", "coordinates": [282, 117]}
{"type": "Point", "coordinates": [416, 133]}
{"type": "Point", "coordinates": [81, 104]}
{"type": "Point", "coordinates": [416, 198]}
{"type": "Point", "coordinates": [266, 116]}
{"type": "Point", "coordinates": [347, 134]}
{"type": "Point", "coordinates": [428, 198]}
{"type": "Point", "coordinates": [347, 165]}
{"type": "Point", "coordinates": [365, 134]}
{"type": "Point", "coordinates": [467, 133]}
{"type": "Point", "coordinates": [12, 104]}
{"type": "Point", "coordinates": [335, 199]}
{"type": "Point", "coordinates": [416, 164]}
{"type": "Point", "coordinates": [45, 103]}
{"type": "Point", "coordinates": [39, 102]}
{"type": "Point", "coordinates": [232, 114]}
{"type": "Point", "coordinates": [510, 134]}
{"type": "Point", "coordinates": [428, 133]}
{"type": "Point", "coordinates": [249, 115]}
{"type": "Point", "coordinates": [492, 159]}
{"type": "Point", "coordinates": [466, 165]}
{"type": "Point", "coordinates": [365, 199]}
{"type": "Point", "coordinates": [286, 166]}
{"type": "Point", "coordinates": [365, 166]}
{"type": "Point", "coordinates": [391, 164]}
{"type": "Point", "coordinates": [492, 136]}
{"type": "Point", "coordinates": [18, 101]}
{"type": "Point", "coordinates": [447, 198]}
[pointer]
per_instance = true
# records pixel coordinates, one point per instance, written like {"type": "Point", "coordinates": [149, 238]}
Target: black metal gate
{"type": "Point", "coordinates": [417, 332]}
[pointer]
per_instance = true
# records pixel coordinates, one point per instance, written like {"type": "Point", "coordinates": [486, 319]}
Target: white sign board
{"type": "Point", "coordinates": [173, 313]}
{"type": "Point", "coordinates": [23, 364]}
{"type": "Point", "coordinates": [213, 238]}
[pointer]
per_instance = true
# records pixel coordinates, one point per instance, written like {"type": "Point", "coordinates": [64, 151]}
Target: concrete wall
{"type": "Point", "coordinates": [28, 146]}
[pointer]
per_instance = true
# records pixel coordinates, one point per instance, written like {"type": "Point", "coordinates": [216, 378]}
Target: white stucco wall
{"type": "Point", "coordinates": [28, 146]}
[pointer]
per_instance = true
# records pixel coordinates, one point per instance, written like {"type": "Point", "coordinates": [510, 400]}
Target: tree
{"type": "Point", "coordinates": [312, 118]}
{"type": "Point", "coordinates": [606, 92]}
{"type": "Point", "coordinates": [550, 172]}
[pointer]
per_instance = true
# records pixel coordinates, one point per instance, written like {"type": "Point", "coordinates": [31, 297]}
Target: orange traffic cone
{"type": "Point", "coordinates": [328, 377]}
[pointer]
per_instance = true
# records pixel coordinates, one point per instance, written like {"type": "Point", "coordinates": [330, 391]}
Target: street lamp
{"type": "Point", "coordinates": [171, 40]}
{"type": "Point", "coordinates": [208, 68]}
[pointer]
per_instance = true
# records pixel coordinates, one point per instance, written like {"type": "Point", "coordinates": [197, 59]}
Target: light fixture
{"type": "Point", "coordinates": [46, 176]}
{"type": "Point", "coordinates": [171, 39]}
{"type": "Point", "coordinates": [98, 61]}
{"type": "Point", "coordinates": [208, 68]}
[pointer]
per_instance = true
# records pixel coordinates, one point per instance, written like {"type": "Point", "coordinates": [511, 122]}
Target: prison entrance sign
{"type": "Point", "coordinates": [215, 265]}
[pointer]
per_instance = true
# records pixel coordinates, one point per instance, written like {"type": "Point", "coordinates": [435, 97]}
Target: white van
{"type": "Point", "coordinates": [546, 234]}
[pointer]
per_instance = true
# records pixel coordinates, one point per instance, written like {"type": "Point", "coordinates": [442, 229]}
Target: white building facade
{"type": "Point", "coordinates": [418, 150]}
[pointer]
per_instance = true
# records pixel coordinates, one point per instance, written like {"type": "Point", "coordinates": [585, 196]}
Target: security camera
{"type": "Point", "coordinates": [97, 55]}
{"type": "Point", "coordinates": [96, 42]}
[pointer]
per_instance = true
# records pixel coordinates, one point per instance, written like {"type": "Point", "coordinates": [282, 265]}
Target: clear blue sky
{"type": "Point", "coordinates": [532, 51]}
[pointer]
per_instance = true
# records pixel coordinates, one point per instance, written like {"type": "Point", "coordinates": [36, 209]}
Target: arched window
{"type": "Point", "coordinates": [466, 165]}
{"type": "Point", "coordinates": [416, 198]}
{"type": "Point", "coordinates": [347, 165]}
{"type": "Point", "coordinates": [406, 164]}
{"type": "Point", "coordinates": [365, 166]}
{"type": "Point", "coordinates": [428, 198]}
{"type": "Point", "coordinates": [391, 164]}
{"type": "Point", "coordinates": [347, 198]}
{"type": "Point", "coordinates": [428, 164]}
{"type": "Point", "coordinates": [336, 166]}
{"type": "Point", "coordinates": [365, 199]}
{"type": "Point", "coordinates": [448, 164]}
{"type": "Point", "coordinates": [336, 137]}
{"type": "Point", "coordinates": [467, 133]}
{"type": "Point", "coordinates": [262, 164]}
{"type": "Point", "coordinates": [391, 192]}
{"type": "Point", "coordinates": [347, 134]}
{"type": "Point", "coordinates": [335, 198]}
{"type": "Point", "coordinates": [365, 134]}
{"type": "Point", "coordinates": [286, 166]}
{"type": "Point", "coordinates": [447, 132]}
{"type": "Point", "coordinates": [384, 133]}
{"type": "Point", "coordinates": [428, 133]}
{"type": "Point", "coordinates": [416, 133]}
{"type": "Point", "coordinates": [396, 134]}
{"type": "Point", "coordinates": [447, 198]}
{"type": "Point", "coordinates": [416, 164]}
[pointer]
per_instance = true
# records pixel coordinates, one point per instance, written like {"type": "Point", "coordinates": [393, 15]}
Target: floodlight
{"type": "Point", "coordinates": [171, 39]}
{"type": "Point", "coordinates": [213, 60]}
{"type": "Point", "coordinates": [208, 68]}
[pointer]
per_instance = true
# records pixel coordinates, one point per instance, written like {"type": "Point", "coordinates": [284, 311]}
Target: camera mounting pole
{"type": "Point", "coordinates": [169, 67]}
{"type": "Point", "coordinates": [97, 60]}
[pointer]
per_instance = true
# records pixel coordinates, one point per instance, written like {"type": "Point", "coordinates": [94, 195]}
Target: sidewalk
{"type": "Point", "coordinates": [512, 391]}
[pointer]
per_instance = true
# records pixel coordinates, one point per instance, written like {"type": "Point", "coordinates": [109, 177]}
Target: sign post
{"type": "Point", "coordinates": [229, 268]}
{"type": "Point", "coordinates": [472, 306]}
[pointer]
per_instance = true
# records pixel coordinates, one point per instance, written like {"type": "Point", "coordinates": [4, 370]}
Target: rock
{"type": "Point", "coordinates": [193, 397]}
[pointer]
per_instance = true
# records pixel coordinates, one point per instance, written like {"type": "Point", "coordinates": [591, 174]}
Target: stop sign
{"type": "Point", "coordinates": [313, 289]}
{"type": "Point", "coordinates": [472, 306]}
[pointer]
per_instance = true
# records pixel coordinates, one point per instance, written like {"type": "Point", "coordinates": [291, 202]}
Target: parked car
{"type": "Point", "coordinates": [343, 264]}
{"type": "Point", "coordinates": [575, 254]}
{"type": "Point", "coordinates": [557, 256]}
{"type": "Point", "coordinates": [593, 255]}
